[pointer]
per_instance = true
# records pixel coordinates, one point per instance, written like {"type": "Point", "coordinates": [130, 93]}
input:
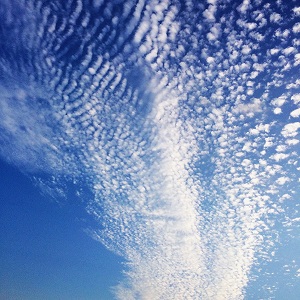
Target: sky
{"type": "Point", "coordinates": [149, 149]}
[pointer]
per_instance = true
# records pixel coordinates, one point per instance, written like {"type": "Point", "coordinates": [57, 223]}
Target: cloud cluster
{"type": "Point", "coordinates": [182, 117]}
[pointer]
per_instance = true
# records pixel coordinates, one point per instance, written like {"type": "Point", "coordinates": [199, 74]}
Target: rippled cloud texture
{"type": "Point", "coordinates": [182, 116]}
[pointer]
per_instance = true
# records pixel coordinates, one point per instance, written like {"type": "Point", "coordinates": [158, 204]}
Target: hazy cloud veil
{"type": "Point", "coordinates": [182, 116]}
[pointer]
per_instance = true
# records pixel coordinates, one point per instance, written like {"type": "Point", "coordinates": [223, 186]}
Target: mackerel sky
{"type": "Point", "coordinates": [172, 127]}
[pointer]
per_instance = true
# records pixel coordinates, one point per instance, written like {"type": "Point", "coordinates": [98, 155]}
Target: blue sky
{"type": "Point", "coordinates": [149, 149]}
{"type": "Point", "coordinates": [44, 252]}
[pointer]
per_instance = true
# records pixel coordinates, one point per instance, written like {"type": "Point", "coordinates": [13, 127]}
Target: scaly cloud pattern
{"type": "Point", "coordinates": [182, 116]}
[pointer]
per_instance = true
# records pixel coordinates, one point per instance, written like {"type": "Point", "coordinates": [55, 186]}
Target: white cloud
{"type": "Point", "coordinates": [242, 8]}
{"type": "Point", "coordinates": [249, 108]}
{"type": "Point", "coordinates": [279, 156]}
{"type": "Point", "coordinates": [274, 51]}
{"type": "Point", "coordinates": [297, 10]}
{"type": "Point", "coordinates": [210, 60]}
{"type": "Point", "coordinates": [296, 98]}
{"type": "Point", "coordinates": [290, 130]}
{"type": "Point", "coordinates": [279, 101]}
{"type": "Point", "coordinates": [295, 113]}
{"type": "Point", "coordinates": [209, 13]}
{"type": "Point", "coordinates": [292, 141]}
{"type": "Point", "coordinates": [296, 28]}
{"type": "Point", "coordinates": [297, 59]}
{"type": "Point", "coordinates": [277, 111]}
{"type": "Point", "coordinates": [246, 49]}
{"type": "Point", "coordinates": [275, 17]}
{"type": "Point", "coordinates": [281, 148]}
{"type": "Point", "coordinates": [282, 180]}
{"type": "Point", "coordinates": [288, 50]}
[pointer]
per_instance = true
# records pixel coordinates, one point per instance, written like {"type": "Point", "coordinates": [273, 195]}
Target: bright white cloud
{"type": "Point", "coordinates": [290, 130]}
{"type": "Point", "coordinates": [275, 17]}
{"type": "Point", "coordinates": [295, 113]}
{"type": "Point", "coordinates": [296, 28]}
